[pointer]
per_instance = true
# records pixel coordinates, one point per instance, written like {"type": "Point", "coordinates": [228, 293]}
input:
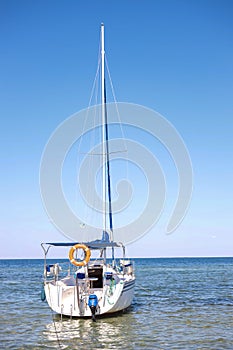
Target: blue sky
{"type": "Point", "coordinates": [172, 56]}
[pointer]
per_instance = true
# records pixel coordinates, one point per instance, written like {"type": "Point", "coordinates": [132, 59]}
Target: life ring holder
{"type": "Point", "coordinates": [86, 251]}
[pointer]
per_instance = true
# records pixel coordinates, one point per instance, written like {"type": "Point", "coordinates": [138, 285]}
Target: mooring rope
{"type": "Point", "coordinates": [147, 290]}
{"type": "Point", "coordinates": [54, 323]}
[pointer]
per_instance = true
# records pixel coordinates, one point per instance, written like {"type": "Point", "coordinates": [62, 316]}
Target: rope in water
{"type": "Point", "coordinates": [54, 324]}
{"type": "Point", "coordinates": [147, 290]}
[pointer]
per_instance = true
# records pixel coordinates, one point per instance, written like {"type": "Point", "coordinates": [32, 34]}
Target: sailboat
{"type": "Point", "coordinates": [92, 287]}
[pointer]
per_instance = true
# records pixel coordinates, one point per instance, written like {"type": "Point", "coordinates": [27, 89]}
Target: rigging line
{"type": "Point", "coordinates": [90, 213]}
{"type": "Point", "coordinates": [115, 101]}
{"type": "Point", "coordinates": [94, 83]}
{"type": "Point", "coordinates": [94, 91]}
{"type": "Point", "coordinates": [96, 76]}
{"type": "Point", "coordinates": [92, 94]}
{"type": "Point", "coordinates": [119, 118]}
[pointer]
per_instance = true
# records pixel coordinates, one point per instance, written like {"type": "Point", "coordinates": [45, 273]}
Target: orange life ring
{"type": "Point", "coordinates": [86, 251]}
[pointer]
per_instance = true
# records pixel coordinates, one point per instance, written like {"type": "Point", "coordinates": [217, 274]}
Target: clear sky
{"type": "Point", "coordinates": [173, 56]}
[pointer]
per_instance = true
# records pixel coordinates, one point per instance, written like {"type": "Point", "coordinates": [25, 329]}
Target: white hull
{"type": "Point", "coordinates": [70, 297]}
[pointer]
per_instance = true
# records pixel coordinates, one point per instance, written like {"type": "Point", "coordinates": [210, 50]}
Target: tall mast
{"type": "Point", "coordinates": [105, 148]}
{"type": "Point", "coordinates": [103, 126]}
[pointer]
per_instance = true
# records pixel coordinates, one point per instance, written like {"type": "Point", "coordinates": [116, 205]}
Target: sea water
{"type": "Point", "coordinates": [180, 303]}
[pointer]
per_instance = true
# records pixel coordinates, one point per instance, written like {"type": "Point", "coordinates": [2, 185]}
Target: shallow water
{"type": "Point", "coordinates": [179, 304]}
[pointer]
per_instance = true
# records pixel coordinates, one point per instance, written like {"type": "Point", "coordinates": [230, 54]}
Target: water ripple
{"type": "Point", "coordinates": [178, 304]}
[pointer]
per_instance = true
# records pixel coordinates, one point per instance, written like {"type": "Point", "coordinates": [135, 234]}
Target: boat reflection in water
{"type": "Point", "coordinates": [107, 333]}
